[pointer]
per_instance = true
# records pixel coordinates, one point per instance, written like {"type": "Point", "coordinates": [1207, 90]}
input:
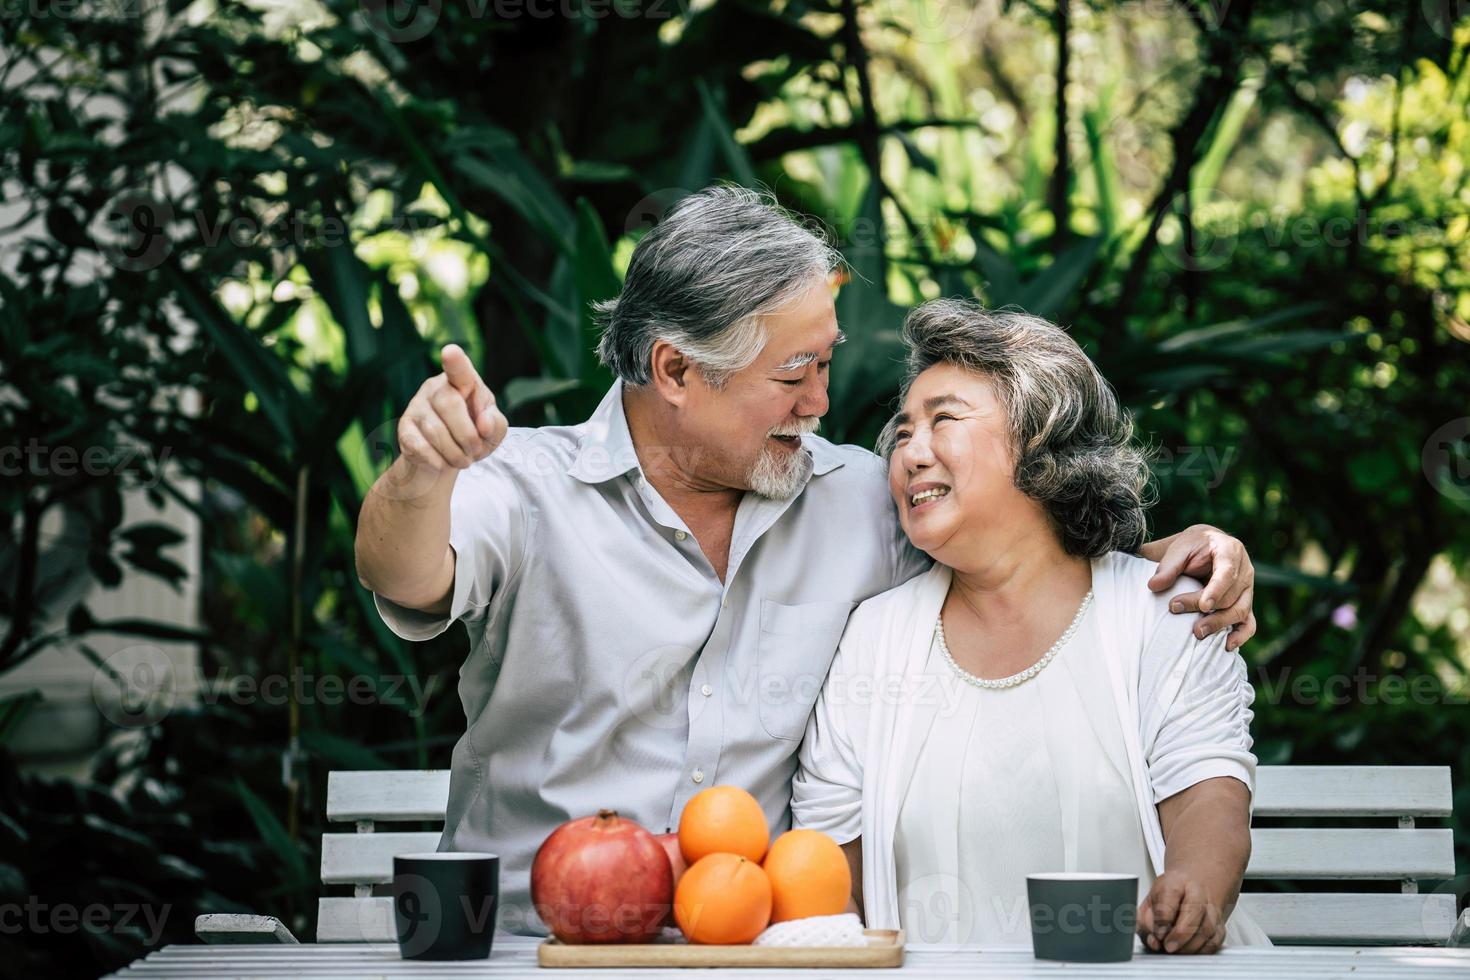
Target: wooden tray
{"type": "Point", "coordinates": [884, 949]}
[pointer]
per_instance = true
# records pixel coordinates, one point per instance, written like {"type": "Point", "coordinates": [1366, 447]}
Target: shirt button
{"type": "Point", "coordinates": [680, 535]}
{"type": "Point", "coordinates": [698, 776]}
{"type": "Point", "coordinates": [706, 690]}
{"type": "Point", "coordinates": [725, 602]}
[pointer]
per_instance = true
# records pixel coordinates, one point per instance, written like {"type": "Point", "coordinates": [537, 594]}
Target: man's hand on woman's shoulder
{"type": "Point", "coordinates": [1221, 562]}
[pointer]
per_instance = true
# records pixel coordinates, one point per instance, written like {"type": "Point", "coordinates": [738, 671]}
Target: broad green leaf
{"type": "Point", "coordinates": [1290, 343]}
{"type": "Point", "coordinates": [735, 157]}
{"type": "Point", "coordinates": [520, 392]}
{"type": "Point", "coordinates": [258, 369]}
{"type": "Point", "coordinates": [597, 279]}
{"type": "Point", "coordinates": [1056, 287]}
{"type": "Point", "coordinates": [1002, 284]}
{"type": "Point", "coordinates": [509, 187]}
{"type": "Point", "coordinates": [1270, 573]}
{"type": "Point", "coordinates": [1218, 332]}
{"type": "Point", "coordinates": [341, 279]}
{"type": "Point", "coordinates": [1224, 139]}
{"type": "Point", "coordinates": [13, 711]}
{"type": "Point", "coordinates": [272, 832]}
{"type": "Point", "coordinates": [340, 753]}
{"type": "Point", "coordinates": [1104, 172]}
{"type": "Point", "coordinates": [917, 157]}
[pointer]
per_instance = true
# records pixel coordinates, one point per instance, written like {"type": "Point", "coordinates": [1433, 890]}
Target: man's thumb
{"type": "Point", "coordinates": [1168, 571]}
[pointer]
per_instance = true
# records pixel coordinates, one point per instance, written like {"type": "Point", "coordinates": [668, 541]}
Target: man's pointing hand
{"type": "Point", "coordinates": [452, 421]}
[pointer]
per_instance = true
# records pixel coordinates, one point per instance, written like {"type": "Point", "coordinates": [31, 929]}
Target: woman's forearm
{"type": "Point", "coordinates": [1208, 838]}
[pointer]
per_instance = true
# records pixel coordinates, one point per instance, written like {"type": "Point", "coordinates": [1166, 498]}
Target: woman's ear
{"type": "Point", "coordinates": [670, 370]}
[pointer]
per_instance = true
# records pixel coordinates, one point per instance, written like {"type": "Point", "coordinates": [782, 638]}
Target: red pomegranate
{"type": "Point", "coordinates": [670, 843]}
{"type": "Point", "coordinates": [602, 879]}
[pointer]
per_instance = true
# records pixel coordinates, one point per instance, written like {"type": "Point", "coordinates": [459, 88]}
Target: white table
{"type": "Point", "coordinates": [515, 956]}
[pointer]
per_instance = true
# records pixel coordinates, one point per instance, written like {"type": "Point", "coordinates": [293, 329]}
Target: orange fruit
{"type": "Point", "coordinates": [723, 819]}
{"type": "Point", "coordinates": [809, 876]}
{"type": "Point", "coordinates": [723, 899]}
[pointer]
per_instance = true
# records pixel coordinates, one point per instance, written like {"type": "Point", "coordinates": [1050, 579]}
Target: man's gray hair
{"type": "Point", "coordinates": [1072, 442]}
{"type": "Point", "coordinates": [702, 278]}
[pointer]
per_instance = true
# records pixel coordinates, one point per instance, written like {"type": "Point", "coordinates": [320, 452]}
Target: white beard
{"type": "Point", "coordinates": [778, 474]}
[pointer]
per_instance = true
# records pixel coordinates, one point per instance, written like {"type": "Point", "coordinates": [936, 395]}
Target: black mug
{"type": "Point", "coordinates": [444, 904]}
{"type": "Point", "coordinates": [1083, 918]}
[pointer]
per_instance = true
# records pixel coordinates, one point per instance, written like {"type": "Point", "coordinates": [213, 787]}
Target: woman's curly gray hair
{"type": "Point", "coordinates": [1071, 440]}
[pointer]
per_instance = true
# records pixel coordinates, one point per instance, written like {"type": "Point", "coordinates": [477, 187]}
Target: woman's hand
{"type": "Point", "coordinates": [1207, 840]}
{"type": "Point", "coordinates": [1179, 916]}
{"type": "Point", "coordinates": [1209, 554]}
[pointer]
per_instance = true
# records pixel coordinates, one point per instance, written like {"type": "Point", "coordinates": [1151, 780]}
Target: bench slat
{"type": "Point", "coordinates": [1281, 791]}
{"type": "Point", "coordinates": [1348, 918]}
{"type": "Point", "coordinates": [355, 920]}
{"type": "Point", "coordinates": [1338, 853]}
{"type": "Point", "coordinates": [234, 928]}
{"type": "Point", "coordinates": [364, 859]}
{"type": "Point", "coordinates": [388, 794]}
{"type": "Point", "coordinates": [353, 859]}
{"type": "Point", "coordinates": [1353, 791]}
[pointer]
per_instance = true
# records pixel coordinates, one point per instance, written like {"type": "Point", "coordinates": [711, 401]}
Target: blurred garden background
{"type": "Point", "coordinates": [233, 236]}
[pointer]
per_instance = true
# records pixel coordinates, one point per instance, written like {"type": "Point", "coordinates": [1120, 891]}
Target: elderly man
{"type": "Point", "coordinates": [654, 597]}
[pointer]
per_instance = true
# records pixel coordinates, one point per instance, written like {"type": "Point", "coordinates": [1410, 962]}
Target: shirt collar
{"type": "Point", "coordinates": [825, 457]}
{"type": "Point", "coordinates": [606, 449]}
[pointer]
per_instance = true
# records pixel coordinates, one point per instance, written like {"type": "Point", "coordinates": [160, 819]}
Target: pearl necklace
{"type": "Point", "coordinates": [1000, 683]}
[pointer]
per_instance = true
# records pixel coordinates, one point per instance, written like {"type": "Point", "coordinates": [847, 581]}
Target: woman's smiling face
{"type": "Point", "coordinates": [952, 469]}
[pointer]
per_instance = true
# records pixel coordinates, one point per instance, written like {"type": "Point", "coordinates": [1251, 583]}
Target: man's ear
{"type": "Point", "coordinates": [671, 372]}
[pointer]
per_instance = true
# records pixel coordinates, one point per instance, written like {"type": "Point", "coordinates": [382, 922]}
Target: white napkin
{"type": "Point", "coordinates": [816, 930]}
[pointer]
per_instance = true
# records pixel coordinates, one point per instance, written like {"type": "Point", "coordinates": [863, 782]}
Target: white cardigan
{"type": "Point", "coordinates": [1183, 708]}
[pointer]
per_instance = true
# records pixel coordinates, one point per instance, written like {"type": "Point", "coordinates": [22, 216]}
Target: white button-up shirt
{"type": "Point", "coordinates": [609, 666]}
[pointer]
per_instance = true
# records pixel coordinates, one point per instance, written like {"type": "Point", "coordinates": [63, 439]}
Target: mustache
{"type": "Point", "coordinates": [803, 426]}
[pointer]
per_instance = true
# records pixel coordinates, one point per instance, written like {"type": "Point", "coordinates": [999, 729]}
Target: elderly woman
{"type": "Point", "coordinates": [1028, 705]}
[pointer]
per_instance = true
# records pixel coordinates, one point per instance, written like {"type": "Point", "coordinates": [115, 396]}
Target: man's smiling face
{"type": "Point", "coordinates": [752, 425]}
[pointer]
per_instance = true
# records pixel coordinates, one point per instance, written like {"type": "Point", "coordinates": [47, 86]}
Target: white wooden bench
{"type": "Point", "coordinates": [1404, 854]}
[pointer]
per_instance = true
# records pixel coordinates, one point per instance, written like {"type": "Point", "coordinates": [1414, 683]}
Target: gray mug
{"type": "Point", "coordinates": [1082, 917]}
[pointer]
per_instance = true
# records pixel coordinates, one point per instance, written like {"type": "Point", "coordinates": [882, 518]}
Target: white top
{"type": "Point", "coordinates": [996, 769]}
{"type": "Point", "coordinates": [1180, 707]}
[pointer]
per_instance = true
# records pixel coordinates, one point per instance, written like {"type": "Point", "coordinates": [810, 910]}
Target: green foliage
{"type": "Point", "coordinates": [246, 232]}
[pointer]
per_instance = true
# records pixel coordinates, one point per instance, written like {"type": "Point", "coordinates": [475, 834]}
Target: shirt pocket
{"type": "Point", "coordinates": [797, 644]}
